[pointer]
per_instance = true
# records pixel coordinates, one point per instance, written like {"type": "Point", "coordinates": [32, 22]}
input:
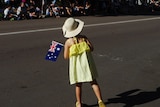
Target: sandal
{"type": "Point", "coordinates": [77, 104]}
{"type": "Point", "coordinates": [101, 104]}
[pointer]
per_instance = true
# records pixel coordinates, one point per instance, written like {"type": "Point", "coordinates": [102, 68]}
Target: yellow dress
{"type": "Point", "coordinates": [81, 64]}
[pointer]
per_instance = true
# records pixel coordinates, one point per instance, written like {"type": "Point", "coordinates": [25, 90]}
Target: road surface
{"type": "Point", "coordinates": [127, 55]}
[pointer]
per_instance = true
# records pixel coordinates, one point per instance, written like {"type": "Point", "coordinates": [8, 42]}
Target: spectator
{"type": "Point", "coordinates": [77, 8]}
{"type": "Point", "coordinates": [60, 6]}
{"type": "Point", "coordinates": [67, 7]}
{"type": "Point", "coordinates": [57, 8]}
{"type": "Point", "coordinates": [87, 8]}
{"type": "Point", "coordinates": [32, 12]}
{"type": "Point", "coordinates": [22, 11]}
{"type": "Point", "coordinates": [9, 14]}
{"type": "Point", "coordinates": [155, 5]}
{"type": "Point", "coordinates": [49, 12]}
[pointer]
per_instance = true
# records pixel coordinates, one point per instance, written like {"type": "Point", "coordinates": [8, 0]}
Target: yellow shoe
{"type": "Point", "coordinates": [77, 104]}
{"type": "Point", "coordinates": [101, 104]}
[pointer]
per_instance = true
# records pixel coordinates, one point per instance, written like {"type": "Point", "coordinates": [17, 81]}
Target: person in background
{"type": "Point", "coordinates": [77, 8]}
{"type": "Point", "coordinates": [22, 11]}
{"type": "Point", "coordinates": [87, 8]}
{"type": "Point", "coordinates": [155, 5]}
{"type": "Point", "coordinates": [9, 14]}
{"type": "Point", "coordinates": [55, 9]}
{"type": "Point", "coordinates": [67, 7]}
{"type": "Point", "coordinates": [34, 11]}
{"type": "Point", "coordinates": [49, 12]}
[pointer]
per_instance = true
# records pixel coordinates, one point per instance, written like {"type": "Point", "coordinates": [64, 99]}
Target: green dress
{"type": "Point", "coordinates": [81, 64]}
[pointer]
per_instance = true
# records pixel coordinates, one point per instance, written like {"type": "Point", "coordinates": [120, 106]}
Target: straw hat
{"type": "Point", "coordinates": [72, 27]}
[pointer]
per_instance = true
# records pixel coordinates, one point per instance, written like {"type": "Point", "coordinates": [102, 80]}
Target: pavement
{"type": "Point", "coordinates": [126, 53]}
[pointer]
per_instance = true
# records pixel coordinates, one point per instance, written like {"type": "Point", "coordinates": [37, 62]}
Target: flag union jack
{"type": "Point", "coordinates": [54, 51]}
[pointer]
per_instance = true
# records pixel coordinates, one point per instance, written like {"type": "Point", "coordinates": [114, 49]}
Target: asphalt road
{"type": "Point", "coordinates": [127, 55]}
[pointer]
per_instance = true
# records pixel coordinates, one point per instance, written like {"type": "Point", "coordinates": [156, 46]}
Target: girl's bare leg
{"type": "Point", "coordinates": [97, 92]}
{"type": "Point", "coordinates": [78, 94]}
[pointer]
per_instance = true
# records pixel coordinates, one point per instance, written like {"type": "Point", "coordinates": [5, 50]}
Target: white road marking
{"type": "Point", "coordinates": [121, 22]}
{"type": "Point", "coordinates": [90, 25]}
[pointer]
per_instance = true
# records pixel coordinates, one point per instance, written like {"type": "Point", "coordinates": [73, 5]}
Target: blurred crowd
{"type": "Point", "coordinates": [35, 9]}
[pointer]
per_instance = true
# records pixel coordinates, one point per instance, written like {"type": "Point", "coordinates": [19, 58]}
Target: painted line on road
{"type": "Point", "coordinates": [90, 25]}
{"type": "Point", "coordinates": [121, 22]}
{"type": "Point", "coordinates": [29, 31]}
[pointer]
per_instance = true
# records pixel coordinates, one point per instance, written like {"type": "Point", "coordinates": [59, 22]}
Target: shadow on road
{"type": "Point", "coordinates": [133, 97]}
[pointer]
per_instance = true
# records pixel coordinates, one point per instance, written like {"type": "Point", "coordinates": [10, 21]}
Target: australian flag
{"type": "Point", "coordinates": [54, 51]}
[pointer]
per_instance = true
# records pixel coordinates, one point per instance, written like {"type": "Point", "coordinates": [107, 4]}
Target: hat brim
{"type": "Point", "coordinates": [69, 34]}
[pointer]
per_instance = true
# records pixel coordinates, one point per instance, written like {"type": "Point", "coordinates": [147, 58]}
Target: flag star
{"type": "Point", "coordinates": [58, 49]}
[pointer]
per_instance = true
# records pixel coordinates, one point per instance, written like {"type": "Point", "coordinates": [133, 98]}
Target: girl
{"type": "Point", "coordinates": [81, 65]}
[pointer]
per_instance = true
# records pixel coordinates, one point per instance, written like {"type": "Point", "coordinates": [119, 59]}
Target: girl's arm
{"type": "Point", "coordinates": [66, 50]}
{"type": "Point", "coordinates": [90, 44]}
{"type": "Point", "coordinates": [87, 41]}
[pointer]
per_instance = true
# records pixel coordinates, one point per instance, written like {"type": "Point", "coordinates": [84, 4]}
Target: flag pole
{"type": "Point", "coordinates": [59, 43]}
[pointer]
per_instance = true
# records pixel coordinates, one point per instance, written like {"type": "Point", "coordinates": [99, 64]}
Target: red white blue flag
{"type": "Point", "coordinates": [54, 51]}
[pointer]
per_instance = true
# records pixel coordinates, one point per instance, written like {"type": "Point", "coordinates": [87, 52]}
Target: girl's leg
{"type": "Point", "coordinates": [96, 89]}
{"type": "Point", "coordinates": [97, 92]}
{"type": "Point", "coordinates": [78, 94]}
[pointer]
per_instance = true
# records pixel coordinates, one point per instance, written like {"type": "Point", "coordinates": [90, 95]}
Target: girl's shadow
{"type": "Point", "coordinates": [135, 99]}
{"type": "Point", "coordinates": [130, 98]}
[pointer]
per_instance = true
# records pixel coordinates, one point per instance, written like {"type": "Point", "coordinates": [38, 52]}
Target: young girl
{"type": "Point", "coordinates": [81, 64]}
